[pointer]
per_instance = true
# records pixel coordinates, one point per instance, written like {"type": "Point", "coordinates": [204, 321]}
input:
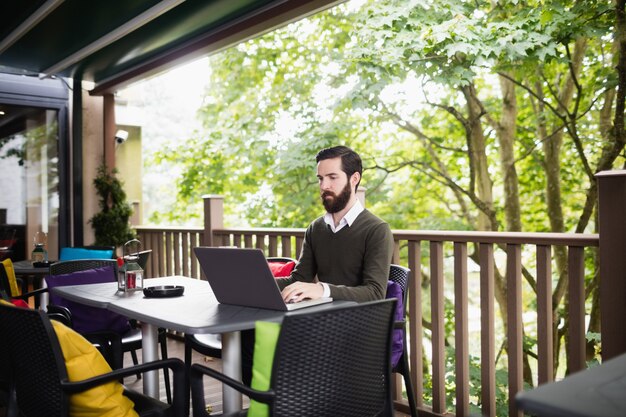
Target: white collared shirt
{"type": "Point", "coordinates": [347, 220]}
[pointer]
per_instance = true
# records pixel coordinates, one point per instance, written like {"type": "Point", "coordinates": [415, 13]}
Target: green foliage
{"type": "Point", "coordinates": [475, 385]}
{"type": "Point", "coordinates": [111, 224]}
{"type": "Point", "coordinates": [396, 80]}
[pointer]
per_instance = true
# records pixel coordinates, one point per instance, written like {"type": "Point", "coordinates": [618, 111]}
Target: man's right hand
{"type": "Point", "coordinates": [299, 291]}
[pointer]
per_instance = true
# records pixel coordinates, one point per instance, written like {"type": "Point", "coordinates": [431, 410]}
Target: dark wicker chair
{"type": "Point", "coordinates": [5, 288]}
{"type": "Point", "coordinates": [331, 362]}
{"type": "Point", "coordinates": [400, 275]}
{"type": "Point", "coordinates": [39, 383]}
{"type": "Point", "coordinates": [131, 341]}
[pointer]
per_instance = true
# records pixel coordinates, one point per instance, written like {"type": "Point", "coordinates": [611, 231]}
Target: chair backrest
{"type": "Point", "coordinates": [5, 287]}
{"type": "Point", "coordinates": [400, 275]}
{"type": "Point", "coordinates": [142, 258]}
{"type": "Point", "coordinates": [281, 266]}
{"type": "Point", "coordinates": [7, 242]}
{"type": "Point", "coordinates": [67, 267]}
{"type": "Point", "coordinates": [86, 319]}
{"type": "Point", "coordinates": [334, 362]}
{"type": "Point", "coordinates": [36, 362]}
{"type": "Point", "coordinates": [282, 259]}
{"type": "Point", "coordinates": [87, 252]}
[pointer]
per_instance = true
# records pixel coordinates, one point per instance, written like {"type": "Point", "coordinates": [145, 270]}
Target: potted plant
{"type": "Point", "coordinates": [111, 225]}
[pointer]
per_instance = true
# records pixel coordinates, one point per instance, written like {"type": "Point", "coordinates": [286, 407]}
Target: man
{"type": "Point", "coordinates": [348, 249]}
{"type": "Point", "coordinates": [346, 253]}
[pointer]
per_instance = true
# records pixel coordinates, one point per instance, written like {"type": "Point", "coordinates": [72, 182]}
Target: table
{"type": "Point", "coordinates": [197, 311]}
{"type": "Point", "coordinates": [30, 275]}
{"type": "Point", "coordinates": [595, 392]}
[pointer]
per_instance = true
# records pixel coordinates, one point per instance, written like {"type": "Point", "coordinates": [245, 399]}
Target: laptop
{"type": "Point", "coordinates": [243, 277]}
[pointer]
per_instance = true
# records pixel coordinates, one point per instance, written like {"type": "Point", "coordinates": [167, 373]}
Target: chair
{"type": "Point", "coordinates": [400, 275]}
{"type": "Point", "coordinates": [71, 253]}
{"type": "Point", "coordinates": [39, 383]}
{"type": "Point", "coordinates": [142, 258]}
{"type": "Point", "coordinates": [7, 242]}
{"type": "Point", "coordinates": [330, 362]}
{"type": "Point", "coordinates": [131, 340]}
{"type": "Point", "coordinates": [6, 293]}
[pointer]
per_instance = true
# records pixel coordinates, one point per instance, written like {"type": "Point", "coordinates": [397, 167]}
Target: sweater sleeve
{"type": "Point", "coordinates": [306, 268]}
{"type": "Point", "coordinates": [378, 254]}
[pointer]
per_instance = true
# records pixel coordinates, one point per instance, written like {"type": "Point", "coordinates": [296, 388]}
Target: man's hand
{"type": "Point", "coordinates": [298, 291]}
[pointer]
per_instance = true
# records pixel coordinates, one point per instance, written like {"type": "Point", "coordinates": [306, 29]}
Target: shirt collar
{"type": "Point", "coordinates": [347, 220]}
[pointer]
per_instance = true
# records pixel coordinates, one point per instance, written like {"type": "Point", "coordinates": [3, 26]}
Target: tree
{"type": "Point", "coordinates": [470, 115]}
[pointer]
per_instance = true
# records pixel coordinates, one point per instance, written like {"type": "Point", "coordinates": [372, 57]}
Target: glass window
{"type": "Point", "coordinates": [29, 177]}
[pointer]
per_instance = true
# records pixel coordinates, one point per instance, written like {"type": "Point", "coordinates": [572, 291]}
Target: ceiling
{"type": "Point", "coordinates": [116, 42]}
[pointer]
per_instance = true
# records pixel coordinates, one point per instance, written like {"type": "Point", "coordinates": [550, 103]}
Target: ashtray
{"type": "Point", "coordinates": [42, 264]}
{"type": "Point", "coordinates": [162, 291]}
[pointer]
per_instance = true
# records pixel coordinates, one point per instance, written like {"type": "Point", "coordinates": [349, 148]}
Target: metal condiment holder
{"type": "Point", "coordinates": [129, 273]}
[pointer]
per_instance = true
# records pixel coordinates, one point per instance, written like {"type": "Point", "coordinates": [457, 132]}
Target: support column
{"type": "Point", "coordinates": [612, 229]}
{"type": "Point", "coordinates": [213, 218]}
{"type": "Point", "coordinates": [109, 130]}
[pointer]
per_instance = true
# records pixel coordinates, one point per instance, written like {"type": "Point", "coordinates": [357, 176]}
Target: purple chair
{"type": "Point", "coordinates": [397, 287]}
{"type": "Point", "coordinates": [88, 319]}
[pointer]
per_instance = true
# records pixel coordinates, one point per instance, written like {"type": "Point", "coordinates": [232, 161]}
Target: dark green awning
{"type": "Point", "coordinates": [114, 42]}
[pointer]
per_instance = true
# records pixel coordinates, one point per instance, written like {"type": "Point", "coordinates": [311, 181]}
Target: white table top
{"type": "Point", "coordinates": [196, 311]}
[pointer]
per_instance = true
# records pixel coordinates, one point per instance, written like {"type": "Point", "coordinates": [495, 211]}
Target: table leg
{"type": "Point", "coordinates": [231, 366]}
{"type": "Point", "coordinates": [149, 342]}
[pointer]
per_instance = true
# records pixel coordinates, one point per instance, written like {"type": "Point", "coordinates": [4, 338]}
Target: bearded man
{"type": "Point", "coordinates": [346, 253]}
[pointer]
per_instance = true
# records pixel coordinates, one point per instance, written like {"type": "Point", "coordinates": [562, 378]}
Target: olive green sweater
{"type": "Point", "coordinates": [354, 262]}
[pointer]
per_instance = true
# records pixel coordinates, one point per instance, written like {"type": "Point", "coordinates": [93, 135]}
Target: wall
{"type": "Point", "coordinates": [93, 156]}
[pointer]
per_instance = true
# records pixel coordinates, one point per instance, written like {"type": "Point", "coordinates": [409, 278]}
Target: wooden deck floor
{"type": "Point", "coordinates": [176, 349]}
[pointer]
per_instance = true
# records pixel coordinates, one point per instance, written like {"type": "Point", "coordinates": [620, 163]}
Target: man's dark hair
{"type": "Point", "coordinates": [350, 160]}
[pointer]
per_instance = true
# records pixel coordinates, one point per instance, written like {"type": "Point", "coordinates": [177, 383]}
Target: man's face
{"type": "Point", "coordinates": [335, 189]}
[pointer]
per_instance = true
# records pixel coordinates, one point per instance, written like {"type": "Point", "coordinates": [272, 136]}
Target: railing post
{"type": "Point", "coordinates": [213, 218]}
{"type": "Point", "coordinates": [360, 194]}
{"type": "Point", "coordinates": [612, 230]}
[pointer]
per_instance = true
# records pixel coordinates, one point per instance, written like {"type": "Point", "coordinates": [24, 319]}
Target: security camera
{"type": "Point", "coordinates": [121, 136]}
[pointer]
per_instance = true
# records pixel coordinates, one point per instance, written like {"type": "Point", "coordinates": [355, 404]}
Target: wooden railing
{"type": "Point", "coordinates": [172, 255]}
{"type": "Point", "coordinates": [444, 259]}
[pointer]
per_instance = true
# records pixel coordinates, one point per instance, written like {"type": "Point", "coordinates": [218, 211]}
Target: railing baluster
{"type": "Point", "coordinates": [161, 253]}
{"type": "Point", "coordinates": [285, 244]}
{"type": "Point", "coordinates": [487, 332]}
{"type": "Point", "coordinates": [415, 320]}
{"type": "Point", "coordinates": [273, 246]}
{"type": "Point", "coordinates": [544, 315]}
{"type": "Point", "coordinates": [173, 252]}
{"type": "Point", "coordinates": [438, 334]}
{"type": "Point", "coordinates": [195, 241]}
{"type": "Point", "coordinates": [461, 337]}
{"type": "Point", "coordinates": [514, 323]}
{"type": "Point", "coordinates": [176, 242]}
{"type": "Point", "coordinates": [576, 309]}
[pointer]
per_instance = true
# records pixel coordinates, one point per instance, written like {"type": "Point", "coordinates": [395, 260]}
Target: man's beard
{"type": "Point", "coordinates": [337, 202]}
